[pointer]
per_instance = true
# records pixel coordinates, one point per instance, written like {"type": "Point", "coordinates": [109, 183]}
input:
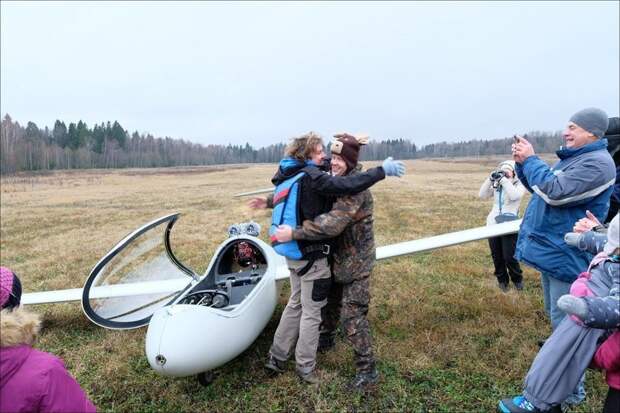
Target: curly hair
{"type": "Point", "coordinates": [302, 147]}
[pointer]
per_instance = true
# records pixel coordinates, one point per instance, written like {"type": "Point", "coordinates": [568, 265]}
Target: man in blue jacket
{"type": "Point", "coordinates": [582, 180]}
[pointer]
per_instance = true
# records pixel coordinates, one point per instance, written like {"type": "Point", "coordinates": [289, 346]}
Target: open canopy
{"type": "Point", "coordinates": [137, 277]}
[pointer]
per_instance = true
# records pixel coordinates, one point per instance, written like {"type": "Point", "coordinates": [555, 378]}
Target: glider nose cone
{"type": "Point", "coordinates": [156, 329]}
{"type": "Point", "coordinates": [169, 341]}
{"type": "Point", "coordinates": [178, 342]}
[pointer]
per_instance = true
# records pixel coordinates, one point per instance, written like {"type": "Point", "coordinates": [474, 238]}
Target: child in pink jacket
{"type": "Point", "coordinates": [593, 307]}
{"type": "Point", "coordinates": [31, 380]}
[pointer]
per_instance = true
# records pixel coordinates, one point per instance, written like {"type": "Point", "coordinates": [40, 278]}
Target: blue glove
{"type": "Point", "coordinates": [393, 168]}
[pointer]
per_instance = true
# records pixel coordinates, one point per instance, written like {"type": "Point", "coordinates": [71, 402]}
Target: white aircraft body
{"type": "Point", "coordinates": [198, 323]}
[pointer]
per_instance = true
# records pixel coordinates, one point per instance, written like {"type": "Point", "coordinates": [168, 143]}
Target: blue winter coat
{"type": "Point", "coordinates": [582, 180]}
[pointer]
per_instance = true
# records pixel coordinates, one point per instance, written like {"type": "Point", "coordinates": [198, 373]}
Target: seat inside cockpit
{"type": "Point", "coordinates": [236, 271]}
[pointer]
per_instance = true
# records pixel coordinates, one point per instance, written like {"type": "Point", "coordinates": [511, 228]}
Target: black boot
{"type": "Point", "coordinates": [326, 343]}
{"type": "Point", "coordinates": [363, 381]}
{"type": "Point", "coordinates": [274, 365]}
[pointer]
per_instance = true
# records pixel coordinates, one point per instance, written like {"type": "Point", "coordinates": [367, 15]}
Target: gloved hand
{"type": "Point", "coordinates": [573, 306]}
{"type": "Point", "coordinates": [393, 168]}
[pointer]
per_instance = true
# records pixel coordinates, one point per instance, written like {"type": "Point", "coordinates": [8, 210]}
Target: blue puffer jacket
{"type": "Point", "coordinates": [582, 180]}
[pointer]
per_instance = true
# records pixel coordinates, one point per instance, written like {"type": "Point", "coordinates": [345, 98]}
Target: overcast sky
{"type": "Point", "coordinates": [236, 72]}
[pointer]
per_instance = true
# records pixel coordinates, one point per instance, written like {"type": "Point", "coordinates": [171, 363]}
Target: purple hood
{"type": "Point", "coordinates": [32, 380]}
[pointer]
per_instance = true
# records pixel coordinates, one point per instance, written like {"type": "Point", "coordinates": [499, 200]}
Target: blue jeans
{"type": "Point", "coordinates": [553, 289]}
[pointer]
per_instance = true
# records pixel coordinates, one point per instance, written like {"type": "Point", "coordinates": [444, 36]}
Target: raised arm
{"type": "Point", "coordinates": [570, 187]}
{"type": "Point", "coordinates": [327, 184]}
{"type": "Point", "coordinates": [522, 177]}
{"type": "Point", "coordinates": [486, 191]}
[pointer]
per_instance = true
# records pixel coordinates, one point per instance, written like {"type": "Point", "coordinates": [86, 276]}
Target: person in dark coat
{"type": "Point", "coordinates": [613, 141]}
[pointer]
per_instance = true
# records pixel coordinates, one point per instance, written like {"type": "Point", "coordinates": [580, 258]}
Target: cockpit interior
{"type": "Point", "coordinates": [236, 271]}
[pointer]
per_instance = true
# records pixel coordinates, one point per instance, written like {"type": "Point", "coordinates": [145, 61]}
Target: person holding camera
{"type": "Point", "coordinates": [507, 191]}
{"type": "Point", "coordinates": [582, 180]}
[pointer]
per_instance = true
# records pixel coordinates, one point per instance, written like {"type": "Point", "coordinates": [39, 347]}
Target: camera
{"type": "Point", "coordinates": [496, 176]}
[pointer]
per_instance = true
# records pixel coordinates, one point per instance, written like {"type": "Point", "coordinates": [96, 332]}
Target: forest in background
{"type": "Point", "coordinates": [109, 145]}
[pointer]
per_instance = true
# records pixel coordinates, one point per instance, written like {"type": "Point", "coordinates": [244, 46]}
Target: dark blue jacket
{"type": "Point", "coordinates": [582, 180]}
{"type": "Point", "coordinates": [614, 203]}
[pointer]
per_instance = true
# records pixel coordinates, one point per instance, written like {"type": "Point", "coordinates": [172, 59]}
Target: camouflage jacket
{"type": "Point", "coordinates": [351, 220]}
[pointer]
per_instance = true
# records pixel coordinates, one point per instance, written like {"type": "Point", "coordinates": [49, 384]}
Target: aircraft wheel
{"type": "Point", "coordinates": [206, 378]}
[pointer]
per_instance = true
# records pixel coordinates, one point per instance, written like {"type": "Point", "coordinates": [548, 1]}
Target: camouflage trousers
{"type": "Point", "coordinates": [349, 303]}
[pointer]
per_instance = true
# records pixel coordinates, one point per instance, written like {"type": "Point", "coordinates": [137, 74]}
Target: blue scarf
{"type": "Point", "coordinates": [288, 163]}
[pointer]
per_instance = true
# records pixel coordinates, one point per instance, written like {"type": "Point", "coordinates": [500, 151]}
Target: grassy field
{"type": "Point", "coordinates": [446, 338]}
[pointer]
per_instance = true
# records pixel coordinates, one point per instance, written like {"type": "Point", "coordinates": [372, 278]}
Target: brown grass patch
{"type": "Point", "coordinates": [445, 337]}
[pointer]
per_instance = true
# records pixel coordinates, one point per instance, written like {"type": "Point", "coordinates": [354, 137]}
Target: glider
{"type": "Point", "coordinates": [197, 323]}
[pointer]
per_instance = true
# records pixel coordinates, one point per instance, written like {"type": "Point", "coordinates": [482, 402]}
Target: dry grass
{"type": "Point", "coordinates": [445, 337]}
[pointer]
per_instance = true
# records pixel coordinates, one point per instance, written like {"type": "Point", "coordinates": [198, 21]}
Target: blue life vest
{"type": "Point", "coordinates": [286, 211]}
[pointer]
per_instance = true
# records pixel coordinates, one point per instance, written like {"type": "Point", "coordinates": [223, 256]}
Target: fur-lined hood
{"type": "Point", "coordinates": [33, 380]}
{"type": "Point", "coordinates": [18, 326]}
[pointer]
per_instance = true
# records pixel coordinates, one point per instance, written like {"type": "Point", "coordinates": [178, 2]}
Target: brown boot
{"type": "Point", "coordinates": [309, 378]}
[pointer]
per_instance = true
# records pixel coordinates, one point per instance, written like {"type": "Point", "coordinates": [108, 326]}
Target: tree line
{"type": "Point", "coordinates": [109, 145]}
{"type": "Point", "coordinates": [543, 142]}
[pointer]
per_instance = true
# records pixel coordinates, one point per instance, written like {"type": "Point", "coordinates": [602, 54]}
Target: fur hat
{"type": "Point", "coordinates": [613, 233]}
{"type": "Point", "coordinates": [10, 289]}
{"type": "Point", "coordinates": [348, 147]}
